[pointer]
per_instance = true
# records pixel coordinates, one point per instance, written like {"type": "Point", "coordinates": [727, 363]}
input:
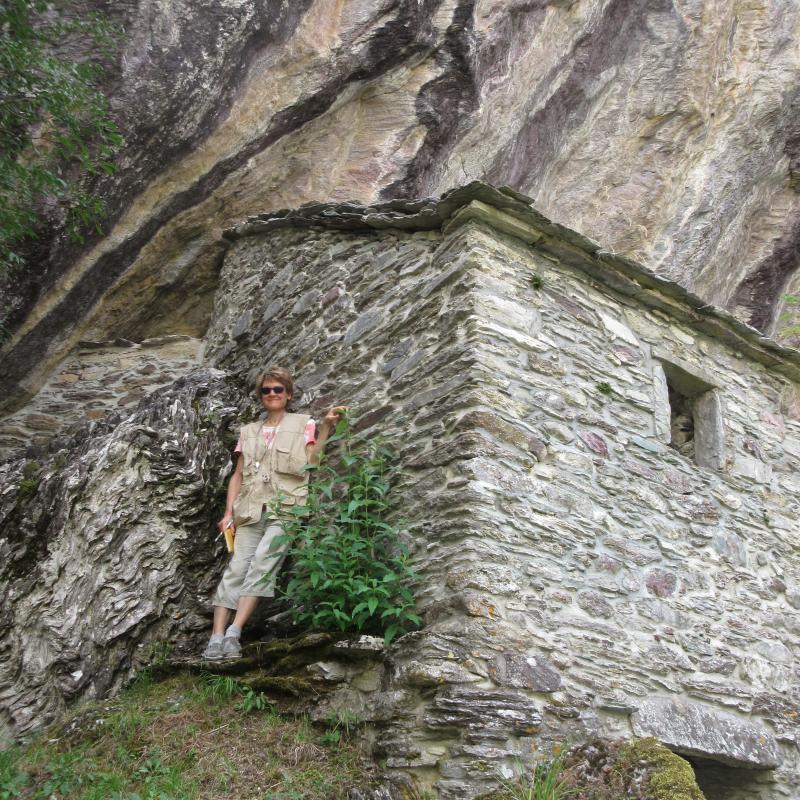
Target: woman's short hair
{"type": "Point", "coordinates": [279, 374]}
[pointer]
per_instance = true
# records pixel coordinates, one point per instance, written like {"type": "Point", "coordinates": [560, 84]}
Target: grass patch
{"type": "Point", "coordinates": [186, 738]}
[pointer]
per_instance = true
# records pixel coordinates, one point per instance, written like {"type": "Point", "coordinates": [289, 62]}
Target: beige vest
{"type": "Point", "coordinates": [275, 474]}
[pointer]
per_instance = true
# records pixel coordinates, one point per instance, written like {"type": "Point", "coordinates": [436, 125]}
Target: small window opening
{"type": "Point", "coordinates": [689, 414]}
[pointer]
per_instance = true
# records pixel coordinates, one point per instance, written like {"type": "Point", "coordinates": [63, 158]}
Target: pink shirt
{"type": "Point", "coordinates": [270, 431]}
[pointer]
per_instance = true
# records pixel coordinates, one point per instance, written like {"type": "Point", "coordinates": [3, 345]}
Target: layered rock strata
{"type": "Point", "coordinates": [579, 574]}
{"type": "Point", "coordinates": [667, 130]}
{"type": "Point", "coordinates": [108, 548]}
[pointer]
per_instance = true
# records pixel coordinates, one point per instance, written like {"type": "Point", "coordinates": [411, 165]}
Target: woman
{"type": "Point", "coordinates": [270, 473]}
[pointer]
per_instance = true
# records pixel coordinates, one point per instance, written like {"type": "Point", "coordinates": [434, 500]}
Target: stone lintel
{"type": "Point", "coordinates": [688, 379]}
{"type": "Point", "coordinates": [693, 729]}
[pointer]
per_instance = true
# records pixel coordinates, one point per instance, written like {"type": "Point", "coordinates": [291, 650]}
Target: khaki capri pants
{"type": "Point", "coordinates": [255, 557]}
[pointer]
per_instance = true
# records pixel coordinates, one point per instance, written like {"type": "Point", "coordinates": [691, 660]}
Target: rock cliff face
{"type": "Point", "coordinates": [667, 130]}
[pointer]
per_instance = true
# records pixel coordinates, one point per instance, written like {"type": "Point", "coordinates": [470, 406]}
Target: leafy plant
{"type": "Point", "coordinates": [55, 130]}
{"type": "Point", "coordinates": [253, 701]}
{"type": "Point", "coordinates": [351, 569]}
{"type": "Point", "coordinates": [536, 281]}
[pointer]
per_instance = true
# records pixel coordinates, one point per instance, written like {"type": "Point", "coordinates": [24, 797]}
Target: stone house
{"type": "Point", "coordinates": [601, 480]}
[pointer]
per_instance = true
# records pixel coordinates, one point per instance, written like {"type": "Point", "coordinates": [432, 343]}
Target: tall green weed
{"type": "Point", "coordinates": [547, 780]}
{"type": "Point", "coordinates": [351, 568]}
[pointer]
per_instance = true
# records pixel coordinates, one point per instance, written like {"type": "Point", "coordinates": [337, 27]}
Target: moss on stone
{"type": "Point", "coordinates": [29, 483]}
{"type": "Point", "coordinates": [671, 777]}
{"type": "Point", "coordinates": [269, 652]}
{"type": "Point", "coordinates": [27, 488]}
{"type": "Point", "coordinates": [293, 662]}
{"type": "Point", "coordinates": [288, 684]}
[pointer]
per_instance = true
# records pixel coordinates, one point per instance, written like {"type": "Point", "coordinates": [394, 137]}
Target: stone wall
{"type": "Point", "coordinates": [580, 576]}
{"type": "Point", "coordinates": [663, 591]}
{"type": "Point", "coordinates": [97, 378]}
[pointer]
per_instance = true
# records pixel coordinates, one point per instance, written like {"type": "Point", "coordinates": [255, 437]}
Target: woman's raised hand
{"type": "Point", "coordinates": [333, 416]}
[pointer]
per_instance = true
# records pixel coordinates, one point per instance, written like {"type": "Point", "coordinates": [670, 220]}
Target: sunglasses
{"type": "Point", "coordinates": [275, 389]}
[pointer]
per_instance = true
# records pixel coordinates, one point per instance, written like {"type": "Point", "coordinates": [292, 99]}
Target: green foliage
{"type": "Point", "coordinates": [253, 701]}
{"type": "Point", "coordinates": [29, 483]}
{"type": "Point", "coordinates": [175, 744]}
{"type": "Point", "coordinates": [142, 681]}
{"type": "Point", "coordinates": [153, 657]}
{"type": "Point", "coordinates": [31, 469]}
{"type": "Point", "coordinates": [220, 688]}
{"type": "Point", "coordinates": [158, 780]}
{"type": "Point", "coordinates": [604, 388]}
{"type": "Point", "coordinates": [341, 724]}
{"type": "Point", "coordinates": [546, 781]}
{"type": "Point", "coordinates": [27, 488]}
{"type": "Point", "coordinates": [157, 654]}
{"type": "Point", "coordinates": [55, 130]}
{"type": "Point", "coordinates": [70, 775]}
{"type": "Point", "coordinates": [536, 281]}
{"type": "Point", "coordinates": [790, 326]}
{"type": "Point", "coordinates": [13, 780]}
{"type": "Point", "coordinates": [351, 570]}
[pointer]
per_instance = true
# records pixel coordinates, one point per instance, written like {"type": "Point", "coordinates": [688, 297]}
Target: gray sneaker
{"type": "Point", "coordinates": [231, 648]}
{"type": "Point", "coordinates": [213, 652]}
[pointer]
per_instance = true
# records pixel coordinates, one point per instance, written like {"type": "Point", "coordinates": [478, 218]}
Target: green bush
{"type": "Point", "coordinates": [29, 484]}
{"type": "Point", "coordinates": [56, 132]}
{"type": "Point", "coordinates": [351, 570]}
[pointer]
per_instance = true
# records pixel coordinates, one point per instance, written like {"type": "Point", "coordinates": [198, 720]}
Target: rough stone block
{"type": "Point", "coordinates": [696, 730]}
